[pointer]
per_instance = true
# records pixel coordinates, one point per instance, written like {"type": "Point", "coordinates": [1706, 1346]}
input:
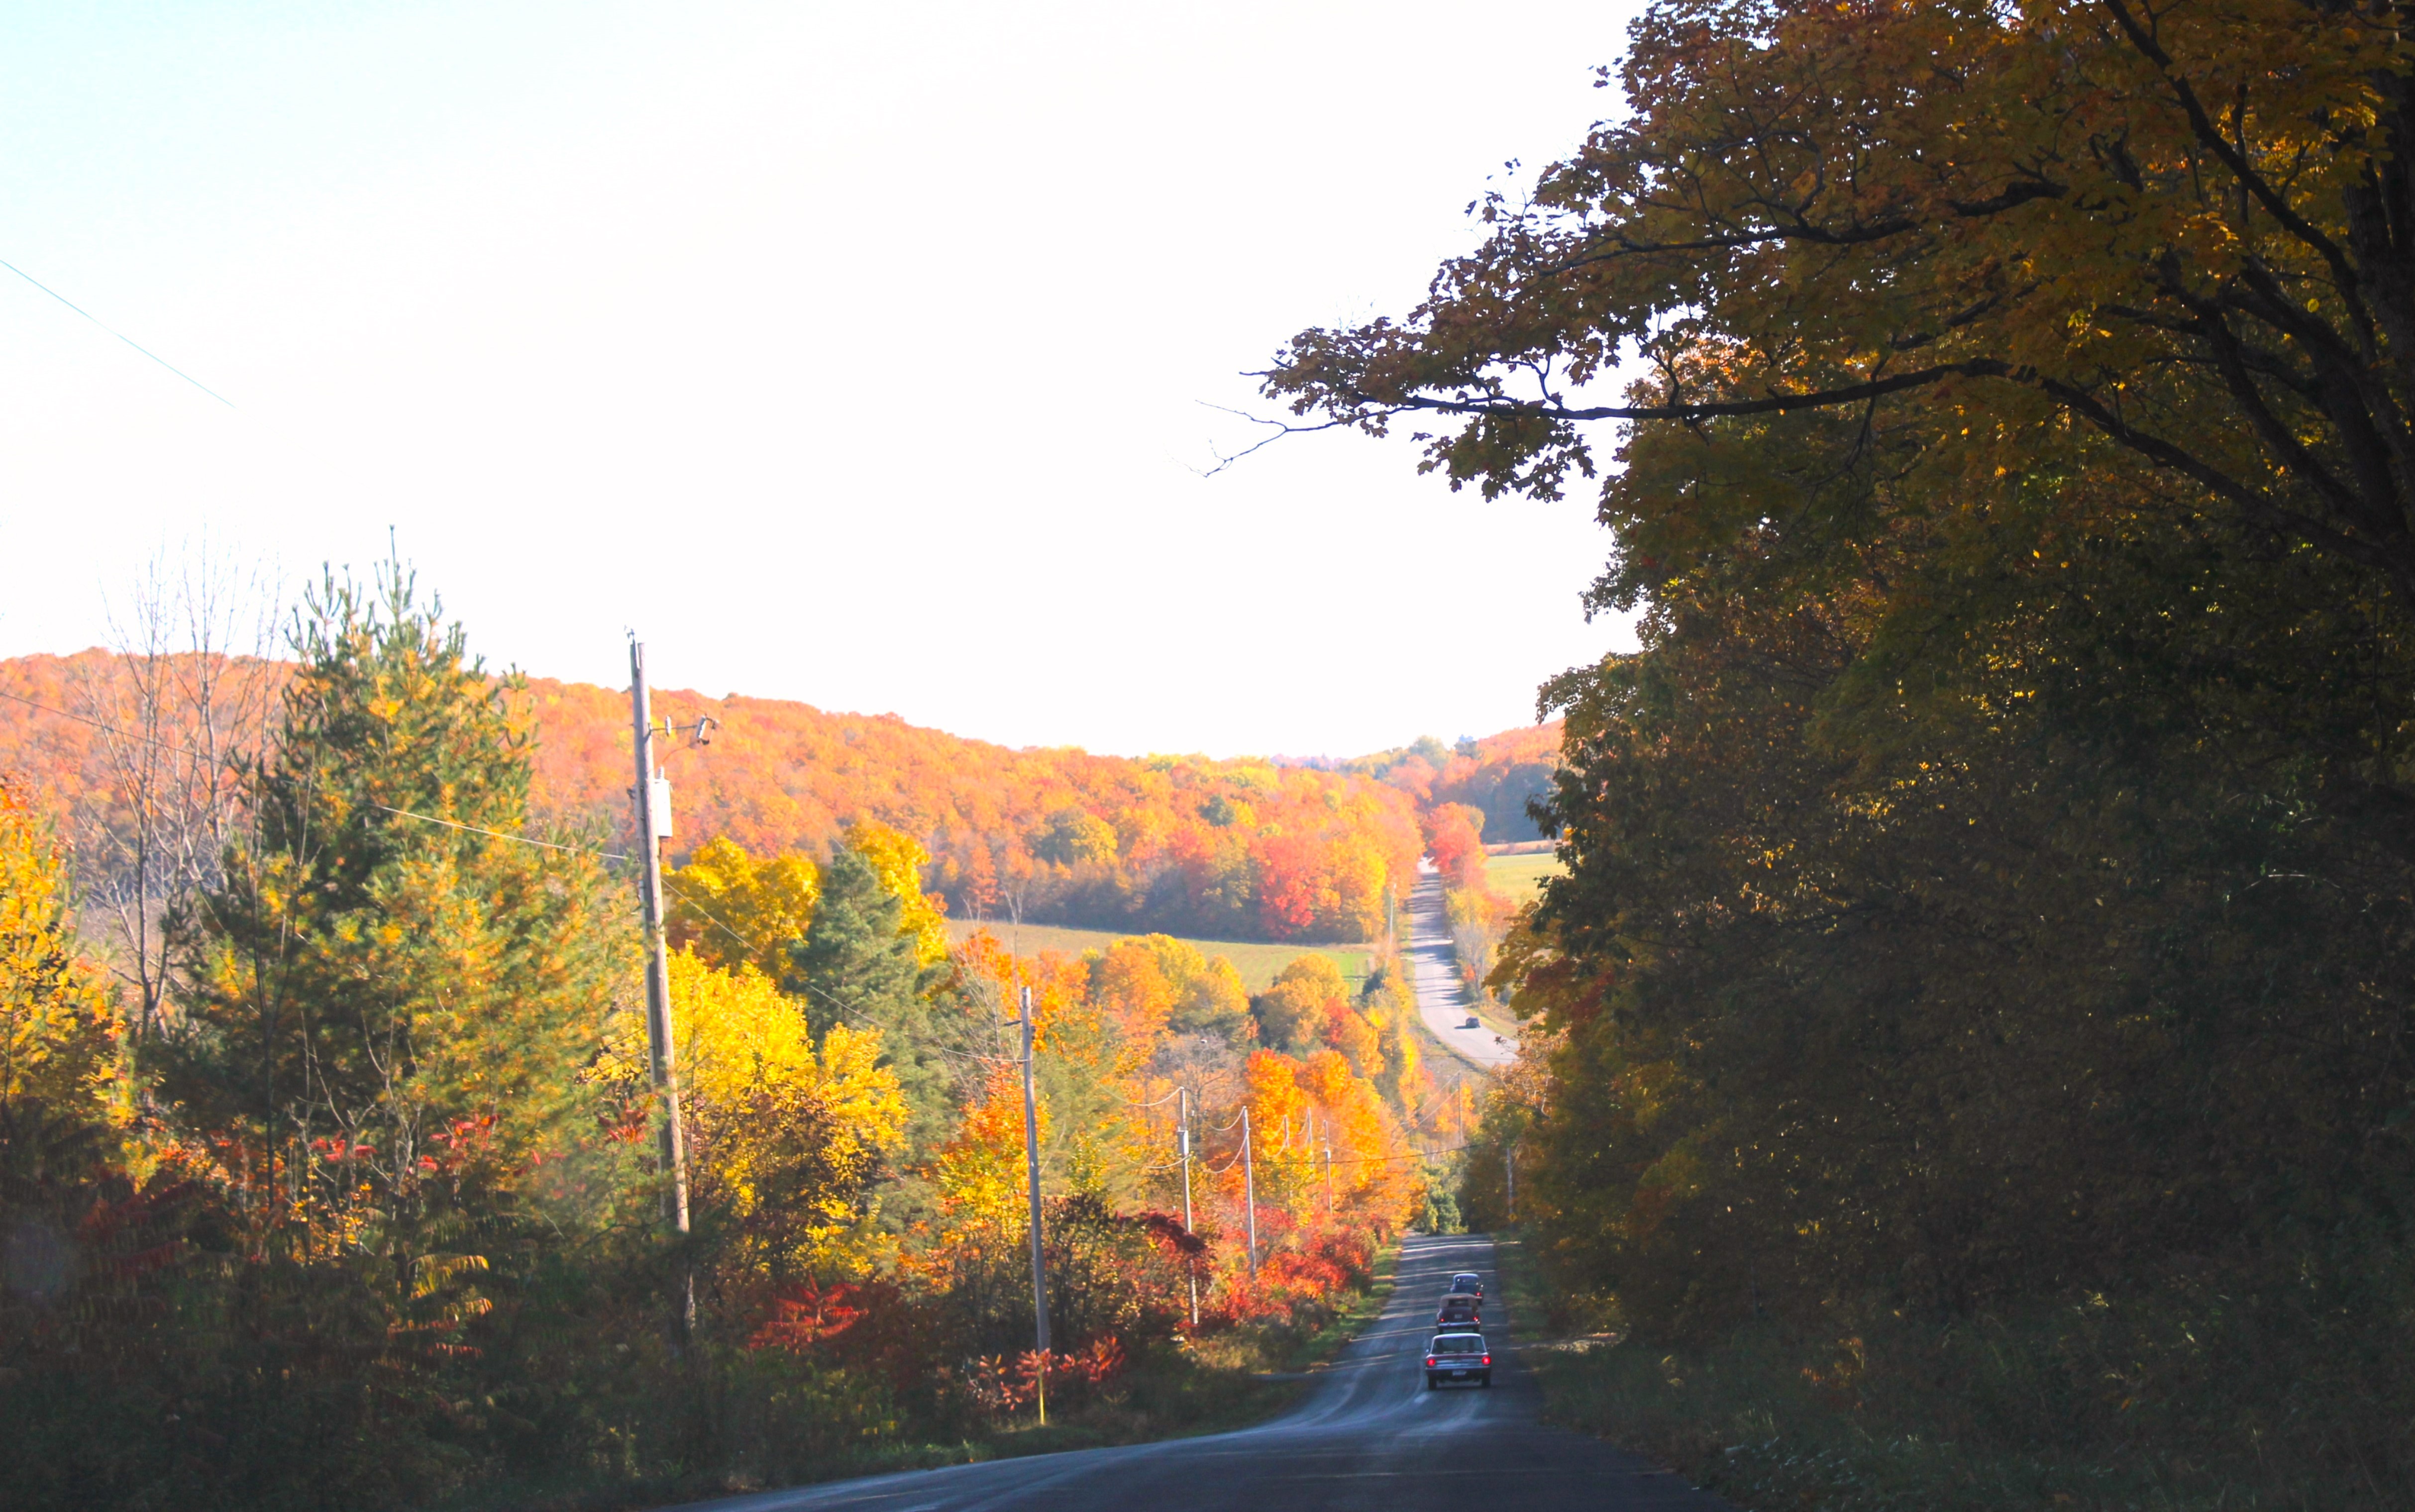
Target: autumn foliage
{"type": "Point", "coordinates": [374, 1211]}
{"type": "Point", "coordinates": [1234, 849]}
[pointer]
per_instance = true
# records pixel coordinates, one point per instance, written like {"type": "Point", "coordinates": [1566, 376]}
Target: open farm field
{"type": "Point", "coordinates": [1516, 876]}
{"type": "Point", "coordinates": [1256, 960]}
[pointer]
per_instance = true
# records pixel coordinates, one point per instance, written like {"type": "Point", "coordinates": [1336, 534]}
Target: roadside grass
{"type": "Point", "coordinates": [2186, 1400]}
{"type": "Point", "coordinates": [1516, 878]}
{"type": "Point", "coordinates": [1530, 1304]}
{"type": "Point", "coordinates": [1258, 960]}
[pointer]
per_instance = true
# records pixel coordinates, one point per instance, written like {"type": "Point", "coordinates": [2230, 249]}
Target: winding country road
{"type": "Point", "coordinates": [1443, 999]}
{"type": "Point", "coordinates": [1366, 1435]}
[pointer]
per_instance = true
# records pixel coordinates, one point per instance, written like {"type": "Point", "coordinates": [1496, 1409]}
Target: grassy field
{"type": "Point", "coordinates": [1516, 876]}
{"type": "Point", "coordinates": [1256, 961]}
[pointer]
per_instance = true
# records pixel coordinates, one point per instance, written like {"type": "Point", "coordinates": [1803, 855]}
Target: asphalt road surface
{"type": "Point", "coordinates": [1434, 970]}
{"type": "Point", "coordinates": [1367, 1434]}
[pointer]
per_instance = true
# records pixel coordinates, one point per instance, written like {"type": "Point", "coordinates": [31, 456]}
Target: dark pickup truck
{"type": "Point", "coordinates": [1459, 1358]}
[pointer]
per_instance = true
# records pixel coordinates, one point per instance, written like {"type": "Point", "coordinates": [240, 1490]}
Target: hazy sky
{"type": "Point", "coordinates": [855, 354]}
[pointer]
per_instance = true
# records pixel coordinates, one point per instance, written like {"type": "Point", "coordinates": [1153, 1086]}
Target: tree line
{"type": "Point", "coordinates": [1229, 849]}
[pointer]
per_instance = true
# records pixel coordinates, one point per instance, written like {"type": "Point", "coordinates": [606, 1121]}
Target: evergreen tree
{"type": "Point", "coordinates": [389, 1002]}
{"type": "Point", "coordinates": [857, 965]}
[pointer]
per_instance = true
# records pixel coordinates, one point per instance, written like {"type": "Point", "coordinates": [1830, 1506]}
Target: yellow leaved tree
{"type": "Point", "coordinates": [784, 1139]}
{"type": "Point", "coordinates": [729, 907]}
{"type": "Point", "coordinates": [58, 1026]}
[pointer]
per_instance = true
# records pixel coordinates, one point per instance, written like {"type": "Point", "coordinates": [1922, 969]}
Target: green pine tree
{"type": "Point", "coordinates": [856, 966]}
{"type": "Point", "coordinates": [387, 1005]}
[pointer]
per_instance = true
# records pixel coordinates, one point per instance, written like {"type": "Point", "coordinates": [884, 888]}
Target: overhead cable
{"type": "Point", "coordinates": [120, 334]}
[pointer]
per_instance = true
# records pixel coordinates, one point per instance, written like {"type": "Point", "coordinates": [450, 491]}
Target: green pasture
{"type": "Point", "coordinates": [1256, 961]}
{"type": "Point", "coordinates": [1516, 876]}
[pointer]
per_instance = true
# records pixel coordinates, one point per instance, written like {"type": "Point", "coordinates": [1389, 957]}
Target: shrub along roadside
{"type": "Point", "coordinates": [1210, 1384]}
{"type": "Point", "coordinates": [2197, 1395]}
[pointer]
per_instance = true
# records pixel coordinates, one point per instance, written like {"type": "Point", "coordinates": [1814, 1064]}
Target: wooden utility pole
{"type": "Point", "coordinates": [1183, 1143]}
{"type": "Point", "coordinates": [1249, 1191]}
{"type": "Point", "coordinates": [670, 1141]}
{"type": "Point", "coordinates": [1510, 1176]}
{"type": "Point", "coordinates": [1031, 1168]}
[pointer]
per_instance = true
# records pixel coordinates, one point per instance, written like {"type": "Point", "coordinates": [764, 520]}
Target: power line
{"type": "Point", "coordinates": [85, 719]}
{"type": "Point", "coordinates": [187, 750]}
{"type": "Point", "coordinates": [120, 334]}
{"type": "Point", "coordinates": [700, 908]}
{"type": "Point", "coordinates": [1412, 1155]}
{"type": "Point", "coordinates": [451, 824]}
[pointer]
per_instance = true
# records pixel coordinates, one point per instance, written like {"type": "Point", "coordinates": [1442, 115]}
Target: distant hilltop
{"type": "Point", "coordinates": [1236, 848]}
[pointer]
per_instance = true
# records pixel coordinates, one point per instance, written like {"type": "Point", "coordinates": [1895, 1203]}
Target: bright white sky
{"type": "Point", "coordinates": [855, 354]}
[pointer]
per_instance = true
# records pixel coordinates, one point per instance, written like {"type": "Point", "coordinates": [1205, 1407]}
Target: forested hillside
{"type": "Point", "coordinates": [1972, 1050]}
{"type": "Point", "coordinates": [1498, 776]}
{"type": "Point", "coordinates": [1236, 849]}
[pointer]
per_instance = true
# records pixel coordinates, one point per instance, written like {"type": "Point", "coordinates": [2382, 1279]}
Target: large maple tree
{"type": "Point", "coordinates": [2180, 229]}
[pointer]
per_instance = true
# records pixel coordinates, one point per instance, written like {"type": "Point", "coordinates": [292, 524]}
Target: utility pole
{"type": "Point", "coordinates": [1328, 1168]}
{"type": "Point", "coordinates": [1250, 1191]}
{"type": "Point", "coordinates": [1031, 1165]}
{"type": "Point", "coordinates": [670, 1141]}
{"type": "Point", "coordinates": [1510, 1176]}
{"type": "Point", "coordinates": [1310, 1145]}
{"type": "Point", "coordinates": [1183, 1143]}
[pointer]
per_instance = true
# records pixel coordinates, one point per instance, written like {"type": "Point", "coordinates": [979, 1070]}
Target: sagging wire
{"type": "Point", "coordinates": [120, 334]}
{"type": "Point", "coordinates": [1412, 1155]}
{"type": "Point", "coordinates": [81, 719]}
{"type": "Point", "coordinates": [455, 824]}
{"type": "Point", "coordinates": [187, 750]}
{"type": "Point", "coordinates": [828, 996]}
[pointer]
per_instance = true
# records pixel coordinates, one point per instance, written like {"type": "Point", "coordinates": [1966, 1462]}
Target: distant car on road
{"type": "Point", "coordinates": [1473, 1022]}
{"type": "Point", "coordinates": [1458, 1307]}
{"type": "Point", "coordinates": [1469, 1282]}
{"type": "Point", "coordinates": [1459, 1358]}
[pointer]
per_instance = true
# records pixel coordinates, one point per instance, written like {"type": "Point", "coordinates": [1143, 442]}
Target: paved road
{"type": "Point", "coordinates": [1368, 1435]}
{"type": "Point", "coordinates": [1441, 995]}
